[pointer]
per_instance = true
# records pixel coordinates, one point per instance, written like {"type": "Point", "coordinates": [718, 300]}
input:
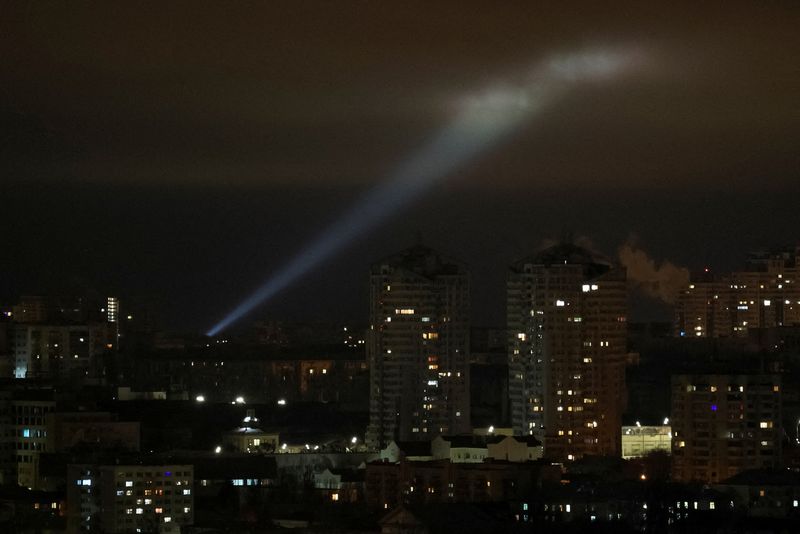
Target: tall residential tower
{"type": "Point", "coordinates": [567, 310]}
{"type": "Point", "coordinates": [418, 347]}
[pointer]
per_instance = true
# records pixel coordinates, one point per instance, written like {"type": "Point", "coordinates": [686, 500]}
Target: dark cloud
{"type": "Point", "coordinates": [257, 93]}
{"type": "Point", "coordinates": [192, 147]}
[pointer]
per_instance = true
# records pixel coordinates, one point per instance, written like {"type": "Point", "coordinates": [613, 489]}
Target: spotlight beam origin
{"type": "Point", "coordinates": [481, 123]}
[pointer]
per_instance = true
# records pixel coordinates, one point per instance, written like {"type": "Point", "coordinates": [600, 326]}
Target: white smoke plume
{"type": "Point", "coordinates": [664, 281]}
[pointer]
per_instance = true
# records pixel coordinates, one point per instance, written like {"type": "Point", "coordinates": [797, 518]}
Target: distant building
{"type": "Point", "coordinates": [765, 493]}
{"type": "Point", "coordinates": [44, 350]}
{"type": "Point", "coordinates": [32, 309]}
{"type": "Point", "coordinates": [465, 449]}
{"type": "Point", "coordinates": [442, 481]}
{"type": "Point", "coordinates": [90, 430]}
{"type": "Point", "coordinates": [765, 294]}
{"type": "Point", "coordinates": [515, 448]}
{"type": "Point", "coordinates": [567, 312]}
{"type": "Point", "coordinates": [396, 451]}
{"type": "Point", "coordinates": [250, 438]}
{"type": "Point", "coordinates": [640, 441]}
{"type": "Point", "coordinates": [459, 449]}
{"type": "Point", "coordinates": [341, 485]}
{"type": "Point", "coordinates": [418, 347]}
{"type": "Point", "coordinates": [724, 424]}
{"type": "Point", "coordinates": [129, 498]}
{"type": "Point", "coordinates": [23, 432]}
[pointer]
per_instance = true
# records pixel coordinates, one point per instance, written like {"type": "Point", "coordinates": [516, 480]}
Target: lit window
{"type": "Point", "coordinates": [334, 496]}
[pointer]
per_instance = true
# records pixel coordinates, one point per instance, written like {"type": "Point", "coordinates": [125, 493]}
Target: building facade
{"type": "Point", "coordinates": [638, 441]}
{"type": "Point", "coordinates": [23, 434]}
{"type": "Point", "coordinates": [566, 317]}
{"type": "Point", "coordinates": [724, 424]}
{"type": "Point", "coordinates": [129, 498]}
{"type": "Point", "coordinates": [418, 347]}
{"type": "Point", "coordinates": [68, 351]}
{"type": "Point", "coordinates": [765, 294]}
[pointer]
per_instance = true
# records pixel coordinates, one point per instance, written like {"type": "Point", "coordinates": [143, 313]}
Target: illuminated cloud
{"type": "Point", "coordinates": [480, 122]}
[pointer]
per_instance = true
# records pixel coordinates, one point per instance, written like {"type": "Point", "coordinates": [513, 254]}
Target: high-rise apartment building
{"type": "Point", "coordinates": [724, 424]}
{"type": "Point", "coordinates": [567, 313]}
{"type": "Point", "coordinates": [418, 347]}
{"type": "Point", "coordinates": [129, 498]}
{"type": "Point", "coordinates": [766, 293]}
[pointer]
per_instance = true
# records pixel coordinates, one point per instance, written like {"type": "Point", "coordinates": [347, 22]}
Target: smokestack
{"type": "Point", "coordinates": [663, 282]}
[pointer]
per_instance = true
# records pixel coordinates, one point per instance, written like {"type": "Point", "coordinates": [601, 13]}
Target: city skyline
{"type": "Point", "coordinates": [409, 267]}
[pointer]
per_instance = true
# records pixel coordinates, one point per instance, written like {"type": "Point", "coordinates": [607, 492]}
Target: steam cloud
{"type": "Point", "coordinates": [663, 282]}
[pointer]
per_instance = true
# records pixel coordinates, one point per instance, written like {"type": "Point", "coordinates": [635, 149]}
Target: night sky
{"type": "Point", "coordinates": [183, 151]}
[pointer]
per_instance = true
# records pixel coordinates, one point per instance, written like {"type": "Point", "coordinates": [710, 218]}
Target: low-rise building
{"type": "Point", "coordinates": [249, 438]}
{"type": "Point", "coordinates": [341, 485]}
{"type": "Point", "coordinates": [442, 481]}
{"type": "Point", "coordinates": [396, 451]}
{"type": "Point", "coordinates": [459, 449]}
{"type": "Point", "coordinates": [514, 448]}
{"type": "Point", "coordinates": [638, 440]}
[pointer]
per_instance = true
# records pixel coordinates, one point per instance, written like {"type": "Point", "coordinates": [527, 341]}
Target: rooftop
{"type": "Point", "coordinates": [423, 261]}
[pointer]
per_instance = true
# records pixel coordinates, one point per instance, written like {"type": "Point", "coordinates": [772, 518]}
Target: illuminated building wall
{"type": "Point", "coordinates": [724, 424]}
{"type": "Point", "coordinates": [418, 347]}
{"type": "Point", "coordinates": [567, 313]}
{"type": "Point", "coordinates": [638, 441]}
{"type": "Point", "coordinates": [765, 294]}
